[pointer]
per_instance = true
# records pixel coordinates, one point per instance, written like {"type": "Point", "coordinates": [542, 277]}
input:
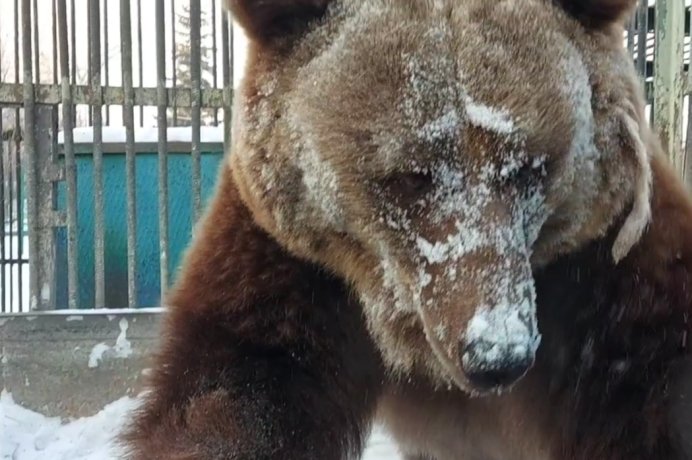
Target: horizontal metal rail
{"type": "Point", "coordinates": [49, 94]}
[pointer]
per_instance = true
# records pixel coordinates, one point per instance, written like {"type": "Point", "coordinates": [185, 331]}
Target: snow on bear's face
{"type": "Point", "coordinates": [434, 154]}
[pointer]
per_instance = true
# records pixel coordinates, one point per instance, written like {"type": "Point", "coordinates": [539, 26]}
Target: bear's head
{"type": "Point", "coordinates": [435, 153]}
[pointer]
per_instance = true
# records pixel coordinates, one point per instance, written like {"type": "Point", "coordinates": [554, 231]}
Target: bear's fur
{"type": "Point", "coordinates": [451, 215]}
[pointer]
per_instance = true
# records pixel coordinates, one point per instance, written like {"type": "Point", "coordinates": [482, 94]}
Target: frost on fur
{"type": "Point", "coordinates": [502, 157]}
{"type": "Point", "coordinates": [639, 217]}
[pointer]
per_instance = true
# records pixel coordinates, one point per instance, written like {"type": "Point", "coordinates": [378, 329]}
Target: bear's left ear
{"type": "Point", "coordinates": [595, 14]}
{"type": "Point", "coordinates": [267, 20]}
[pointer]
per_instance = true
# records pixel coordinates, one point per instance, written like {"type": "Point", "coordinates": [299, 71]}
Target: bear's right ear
{"type": "Point", "coordinates": [265, 20]}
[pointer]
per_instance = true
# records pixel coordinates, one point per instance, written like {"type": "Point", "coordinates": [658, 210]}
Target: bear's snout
{"type": "Point", "coordinates": [500, 345]}
{"type": "Point", "coordinates": [491, 366]}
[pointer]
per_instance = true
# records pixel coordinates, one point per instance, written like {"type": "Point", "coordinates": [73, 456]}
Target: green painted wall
{"type": "Point", "coordinates": [180, 225]}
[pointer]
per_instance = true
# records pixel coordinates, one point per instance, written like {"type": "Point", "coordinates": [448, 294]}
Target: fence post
{"type": "Point", "coordinates": [48, 218]}
{"type": "Point", "coordinates": [29, 156]}
{"type": "Point", "coordinates": [668, 78]}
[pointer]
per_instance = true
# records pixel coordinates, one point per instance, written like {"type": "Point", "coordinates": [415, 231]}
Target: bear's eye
{"type": "Point", "coordinates": [410, 185]}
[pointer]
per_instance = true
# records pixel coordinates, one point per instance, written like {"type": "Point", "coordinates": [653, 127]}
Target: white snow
{"type": "Point", "coordinates": [112, 312]}
{"type": "Point", "coordinates": [505, 328]}
{"type": "Point", "coordinates": [121, 349]}
{"type": "Point", "coordinates": [489, 118]}
{"type": "Point", "coordinates": [443, 127]}
{"type": "Point", "coordinates": [27, 435]}
{"type": "Point", "coordinates": [118, 135]}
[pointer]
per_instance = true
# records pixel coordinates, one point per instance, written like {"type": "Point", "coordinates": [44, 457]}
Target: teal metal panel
{"type": "Point", "coordinates": [180, 224]}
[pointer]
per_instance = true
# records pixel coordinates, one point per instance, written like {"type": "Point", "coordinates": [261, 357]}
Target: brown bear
{"type": "Point", "coordinates": [447, 215]}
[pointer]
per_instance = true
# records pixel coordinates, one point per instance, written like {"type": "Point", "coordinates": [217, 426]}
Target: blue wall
{"type": "Point", "coordinates": [115, 196]}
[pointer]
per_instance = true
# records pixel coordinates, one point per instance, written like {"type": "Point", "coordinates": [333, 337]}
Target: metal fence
{"type": "Point", "coordinates": [100, 73]}
{"type": "Point", "coordinates": [66, 64]}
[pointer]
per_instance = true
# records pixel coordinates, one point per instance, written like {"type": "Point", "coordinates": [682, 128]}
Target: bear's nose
{"type": "Point", "coordinates": [490, 366]}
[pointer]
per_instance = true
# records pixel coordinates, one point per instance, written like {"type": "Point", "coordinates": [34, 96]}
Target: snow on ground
{"type": "Point", "coordinates": [27, 435]}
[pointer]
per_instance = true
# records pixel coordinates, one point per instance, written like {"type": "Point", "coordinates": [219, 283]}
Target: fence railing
{"type": "Point", "coordinates": [66, 64]}
{"type": "Point", "coordinates": [112, 128]}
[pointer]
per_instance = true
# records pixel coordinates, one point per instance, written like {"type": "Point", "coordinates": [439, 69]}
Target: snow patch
{"type": "Point", "coordinates": [456, 245]}
{"type": "Point", "coordinates": [489, 118]}
{"type": "Point", "coordinates": [111, 313]}
{"type": "Point", "coordinates": [122, 348]}
{"type": "Point", "coordinates": [118, 135]}
{"type": "Point", "coordinates": [96, 354]}
{"type": "Point", "coordinates": [28, 435]}
{"type": "Point", "coordinates": [446, 126]}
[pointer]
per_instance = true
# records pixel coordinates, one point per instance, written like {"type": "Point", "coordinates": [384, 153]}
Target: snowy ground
{"type": "Point", "coordinates": [27, 435]}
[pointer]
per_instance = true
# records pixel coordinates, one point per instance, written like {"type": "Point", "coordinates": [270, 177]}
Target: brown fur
{"type": "Point", "coordinates": [262, 354]}
{"type": "Point", "coordinates": [266, 19]}
{"type": "Point", "coordinates": [321, 283]}
{"type": "Point", "coordinates": [612, 379]}
{"type": "Point", "coordinates": [596, 13]}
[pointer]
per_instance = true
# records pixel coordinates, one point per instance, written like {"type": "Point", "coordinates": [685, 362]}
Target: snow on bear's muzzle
{"type": "Point", "coordinates": [478, 306]}
{"type": "Point", "coordinates": [501, 340]}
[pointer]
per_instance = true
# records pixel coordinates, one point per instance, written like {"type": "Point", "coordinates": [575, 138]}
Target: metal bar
{"type": "Point", "coordinates": [140, 59]}
{"type": "Point", "coordinates": [37, 45]}
{"type": "Point", "coordinates": [2, 200]}
{"type": "Point", "coordinates": [16, 52]}
{"type": "Point", "coordinates": [215, 53]}
{"type": "Point", "coordinates": [73, 43]}
{"type": "Point", "coordinates": [105, 55]}
{"type": "Point", "coordinates": [196, 83]}
{"type": "Point", "coordinates": [162, 143]}
{"type": "Point", "coordinates": [174, 61]}
{"type": "Point", "coordinates": [17, 260]}
{"type": "Point", "coordinates": [73, 48]}
{"type": "Point", "coordinates": [50, 233]}
{"type": "Point", "coordinates": [642, 32]}
{"type": "Point", "coordinates": [630, 35]}
{"type": "Point", "coordinates": [20, 195]}
{"type": "Point", "coordinates": [30, 158]}
{"type": "Point", "coordinates": [99, 222]}
{"type": "Point", "coordinates": [70, 165]}
{"type": "Point", "coordinates": [3, 256]}
{"type": "Point", "coordinates": [227, 64]}
{"type": "Point", "coordinates": [55, 40]}
{"type": "Point", "coordinates": [88, 38]}
{"type": "Point", "coordinates": [668, 81]}
{"type": "Point", "coordinates": [12, 185]}
{"type": "Point", "coordinates": [89, 63]}
{"type": "Point", "coordinates": [11, 94]}
{"type": "Point", "coordinates": [128, 119]}
{"type": "Point", "coordinates": [16, 137]}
